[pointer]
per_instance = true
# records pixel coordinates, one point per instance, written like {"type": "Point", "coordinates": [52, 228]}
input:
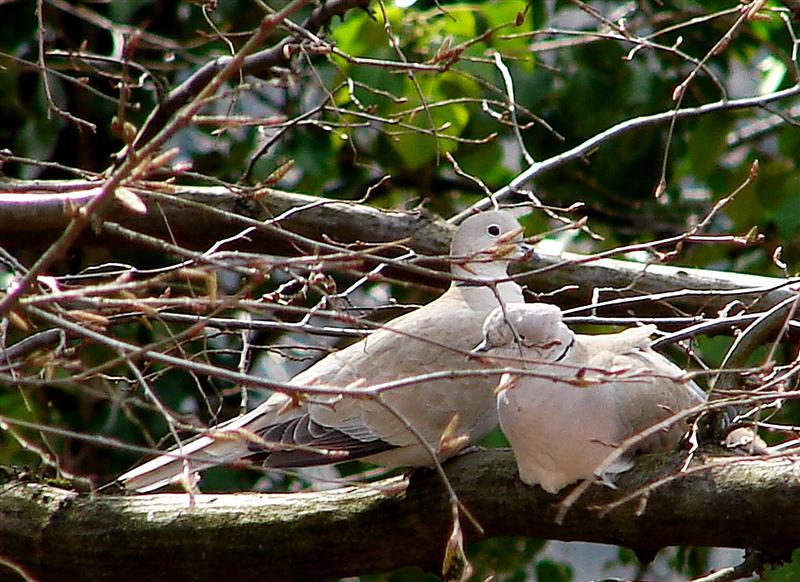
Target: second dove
{"type": "Point", "coordinates": [584, 396]}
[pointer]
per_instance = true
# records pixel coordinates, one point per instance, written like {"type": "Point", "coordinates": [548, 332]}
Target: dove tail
{"type": "Point", "coordinates": [225, 443]}
{"type": "Point", "coordinates": [192, 457]}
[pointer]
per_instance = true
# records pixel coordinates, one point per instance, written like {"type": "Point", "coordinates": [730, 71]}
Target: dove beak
{"type": "Point", "coordinates": [510, 246]}
{"type": "Point", "coordinates": [524, 251]}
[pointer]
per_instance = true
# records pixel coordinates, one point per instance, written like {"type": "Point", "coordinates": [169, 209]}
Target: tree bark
{"type": "Point", "coordinates": [35, 213]}
{"type": "Point", "coordinates": [54, 534]}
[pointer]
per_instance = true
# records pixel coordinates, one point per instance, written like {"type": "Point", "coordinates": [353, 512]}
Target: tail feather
{"type": "Point", "coordinates": [194, 456]}
{"type": "Point", "coordinates": [202, 452]}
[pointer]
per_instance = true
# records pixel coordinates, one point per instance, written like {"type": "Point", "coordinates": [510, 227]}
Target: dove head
{"type": "Point", "coordinates": [485, 243]}
{"type": "Point", "coordinates": [538, 326]}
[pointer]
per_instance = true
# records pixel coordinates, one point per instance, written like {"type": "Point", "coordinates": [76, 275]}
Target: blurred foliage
{"type": "Point", "coordinates": [785, 572]}
{"type": "Point", "coordinates": [691, 562]}
{"type": "Point", "coordinates": [573, 72]}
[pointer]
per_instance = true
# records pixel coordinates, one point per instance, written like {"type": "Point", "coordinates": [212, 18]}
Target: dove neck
{"type": "Point", "coordinates": [479, 281]}
{"type": "Point", "coordinates": [507, 291]}
{"type": "Point", "coordinates": [473, 273]}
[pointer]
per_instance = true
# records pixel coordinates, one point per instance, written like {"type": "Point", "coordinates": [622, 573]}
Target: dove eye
{"type": "Point", "coordinates": [493, 230]}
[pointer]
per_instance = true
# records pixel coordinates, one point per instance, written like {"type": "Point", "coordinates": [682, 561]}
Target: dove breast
{"type": "Point", "coordinates": [434, 339]}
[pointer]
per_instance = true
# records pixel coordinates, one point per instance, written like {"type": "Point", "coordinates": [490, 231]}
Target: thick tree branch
{"type": "Point", "coordinates": [198, 217]}
{"type": "Point", "coordinates": [34, 213]}
{"type": "Point", "coordinates": [61, 535]}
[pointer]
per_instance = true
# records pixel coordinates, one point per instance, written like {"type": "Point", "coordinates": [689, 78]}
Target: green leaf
{"type": "Point", "coordinates": [359, 35]}
{"type": "Point", "coordinates": [502, 12]}
{"type": "Point", "coordinates": [786, 573]}
{"type": "Point", "coordinates": [787, 213]}
{"type": "Point", "coordinates": [550, 571]}
{"type": "Point", "coordinates": [707, 144]}
{"type": "Point", "coordinates": [416, 147]}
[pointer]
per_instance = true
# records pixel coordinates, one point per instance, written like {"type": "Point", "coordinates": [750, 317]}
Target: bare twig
{"type": "Point", "coordinates": [623, 128]}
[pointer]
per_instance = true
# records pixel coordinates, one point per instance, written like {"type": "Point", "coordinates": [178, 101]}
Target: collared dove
{"type": "Point", "coordinates": [436, 337]}
{"type": "Point", "coordinates": [585, 395]}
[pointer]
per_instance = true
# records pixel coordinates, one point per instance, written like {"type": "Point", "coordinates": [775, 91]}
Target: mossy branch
{"type": "Point", "coordinates": [55, 534]}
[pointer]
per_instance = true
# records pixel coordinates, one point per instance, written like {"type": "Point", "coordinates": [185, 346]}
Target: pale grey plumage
{"type": "Point", "coordinates": [586, 394]}
{"type": "Point", "coordinates": [432, 338]}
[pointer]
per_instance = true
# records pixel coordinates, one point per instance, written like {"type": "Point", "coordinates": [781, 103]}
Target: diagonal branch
{"type": "Point", "coordinates": [636, 123]}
